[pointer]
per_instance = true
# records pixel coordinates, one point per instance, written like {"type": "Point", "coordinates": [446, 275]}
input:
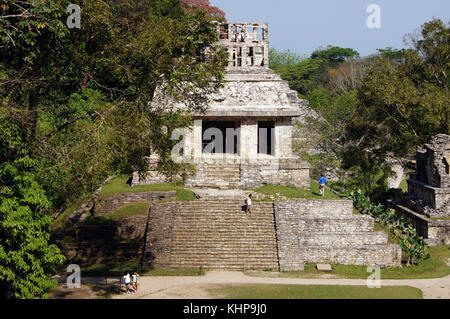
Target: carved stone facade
{"type": "Point", "coordinates": [428, 202]}
{"type": "Point", "coordinates": [429, 189]}
{"type": "Point", "coordinates": [245, 137]}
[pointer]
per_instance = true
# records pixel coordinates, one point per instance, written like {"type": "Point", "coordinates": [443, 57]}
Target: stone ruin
{"type": "Point", "coordinates": [245, 137]}
{"type": "Point", "coordinates": [427, 205]}
{"type": "Point", "coordinates": [429, 189]}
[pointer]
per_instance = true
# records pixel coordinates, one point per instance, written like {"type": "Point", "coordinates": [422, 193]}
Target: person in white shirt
{"type": "Point", "coordinates": [248, 204]}
{"type": "Point", "coordinates": [127, 281]}
{"type": "Point", "coordinates": [135, 281]}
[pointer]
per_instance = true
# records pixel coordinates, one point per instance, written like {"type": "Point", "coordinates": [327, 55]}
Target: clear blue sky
{"type": "Point", "coordinates": [304, 25]}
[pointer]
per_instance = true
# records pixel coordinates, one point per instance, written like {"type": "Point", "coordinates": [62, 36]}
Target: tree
{"type": "Point", "coordinates": [204, 5]}
{"type": "Point", "coordinates": [83, 101]}
{"type": "Point", "coordinates": [349, 75]}
{"type": "Point", "coordinates": [402, 104]}
{"type": "Point", "coordinates": [409, 100]}
{"type": "Point", "coordinates": [334, 55]}
{"type": "Point", "coordinates": [282, 59]}
{"type": "Point", "coordinates": [303, 76]}
{"type": "Point", "coordinates": [397, 55]}
{"type": "Point", "coordinates": [26, 257]}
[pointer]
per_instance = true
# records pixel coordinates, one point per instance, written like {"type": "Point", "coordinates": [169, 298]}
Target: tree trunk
{"type": "Point", "coordinates": [87, 77]}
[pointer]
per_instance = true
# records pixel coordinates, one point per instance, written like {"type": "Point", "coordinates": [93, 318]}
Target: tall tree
{"type": "Point", "coordinates": [408, 102]}
{"type": "Point", "coordinates": [204, 5]}
{"type": "Point", "coordinates": [84, 100]}
{"type": "Point", "coordinates": [26, 256]}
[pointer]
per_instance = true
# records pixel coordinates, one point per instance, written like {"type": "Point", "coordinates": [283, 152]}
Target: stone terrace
{"type": "Point", "coordinates": [216, 234]}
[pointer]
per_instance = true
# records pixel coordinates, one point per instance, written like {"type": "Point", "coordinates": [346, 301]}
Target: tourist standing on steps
{"type": "Point", "coordinates": [248, 204]}
{"type": "Point", "coordinates": [135, 281]}
{"type": "Point", "coordinates": [322, 182]}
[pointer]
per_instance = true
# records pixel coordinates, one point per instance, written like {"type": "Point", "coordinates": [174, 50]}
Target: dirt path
{"type": "Point", "coordinates": [198, 287]}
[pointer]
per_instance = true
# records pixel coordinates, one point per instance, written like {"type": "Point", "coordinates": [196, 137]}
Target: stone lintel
{"type": "Point", "coordinates": [250, 113]}
{"type": "Point", "coordinates": [436, 190]}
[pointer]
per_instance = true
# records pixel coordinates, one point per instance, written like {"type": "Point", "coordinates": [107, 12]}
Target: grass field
{"type": "Point", "coordinates": [260, 291]}
{"type": "Point", "coordinates": [119, 185]}
{"type": "Point", "coordinates": [292, 192]}
{"type": "Point", "coordinates": [434, 267]}
{"type": "Point", "coordinates": [130, 210]}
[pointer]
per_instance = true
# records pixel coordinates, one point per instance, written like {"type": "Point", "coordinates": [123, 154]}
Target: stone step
{"type": "Point", "coordinates": [237, 267]}
{"type": "Point", "coordinates": [210, 229]}
{"type": "Point", "coordinates": [354, 223]}
{"type": "Point", "coordinates": [240, 219]}
{"type": "Point", "coordinates": [242, 243]}
{"type": "Point", "coordinates": [342, 239]}
{"type": "Point", "coordinates": [222, 258]}
{"type": "Point", "coordinates": [222, 255]}
{"type": "Point", "coordinates": [225, 210]}
{"type": "Point", "coordinates": [362, 255]}
{"type": "Point", "coordinates": [235, 203]}
{"type": "Point", "coordinates": [218, 235]}
{"type": "Point", "coordinates": [315, 207]}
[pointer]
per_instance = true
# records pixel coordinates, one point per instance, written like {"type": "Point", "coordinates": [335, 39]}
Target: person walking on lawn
{"type": "Point", "coordinates": [322, 182]}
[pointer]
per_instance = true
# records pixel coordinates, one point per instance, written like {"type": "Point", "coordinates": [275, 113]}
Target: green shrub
{"type": "Point", "coordinates": [414, 247]}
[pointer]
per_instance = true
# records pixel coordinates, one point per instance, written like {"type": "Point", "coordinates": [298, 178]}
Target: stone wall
{"type": "Point", "coordinates": [114, 241]}
{"type": "Point", "coordinates": [435, 232]}
{"type": "Point", "coordinates": [346, 224]}
{"type": "Point", "coordinates": [433, 201]}
{"type": "Point", "coordinates": [159, 235]}
{"type": "Point", "coordinates": [432, 162]}
{"type": "Point", "coordinates": [310, 207]}
{"type": "Point", "coordinates": [382, 255]}
{"type": "Point", "coordinates": [327, 231]}
{"type": "Point", "coordinates": [91, 253]}
{"type": "Point", "coordinates": [117, 201]}
{"type": "Point", "coordinates": [348, 239]}
{"type": "Point", "coordinates": [123, 228]}
{"type": "Point", "coordinates": [250, 175]}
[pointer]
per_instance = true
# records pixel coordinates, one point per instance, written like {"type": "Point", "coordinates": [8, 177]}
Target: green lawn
{"type": "Point", "coordinates": [434, 267]}
{"type": "Point", "coordinates": [292, 192]}
{"type": "Point", "coordinates": [267, 291]}
{"type": "Point", "coordinates": [130, 210]}
{"type": "Point", "coordinates": [119, 185]}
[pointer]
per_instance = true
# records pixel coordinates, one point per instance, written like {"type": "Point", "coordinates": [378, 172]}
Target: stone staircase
{"type": "Point", "coordinates": [337, 237]}
{"type": "Point", "coordinates": [222, 175]}
{"type": "Point", "coordinates": [218, 235]}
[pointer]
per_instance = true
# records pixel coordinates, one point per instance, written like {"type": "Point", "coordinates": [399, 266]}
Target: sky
{"type": "Point", "coordinates": [305, 25]}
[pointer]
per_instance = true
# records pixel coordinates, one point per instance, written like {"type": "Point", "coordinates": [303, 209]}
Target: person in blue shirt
{"type": "Point", "coordinates": [322, 182]}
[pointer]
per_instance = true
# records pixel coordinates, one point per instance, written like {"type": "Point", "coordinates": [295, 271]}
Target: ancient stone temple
{"type": "Point", "coordinates": [430, 187]}
{"type": "Point", "coordinates": [428, 202]}
{"type": "Point", "coordinates": [245, 138]}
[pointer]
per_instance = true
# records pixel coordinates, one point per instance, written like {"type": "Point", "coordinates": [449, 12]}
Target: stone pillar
{"type": "Point", "coordinates": [283, 139]}
{"type": "Point", "coordinates": [197, 140]}
{"type": "Point", "coordinates": [249, 140]}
